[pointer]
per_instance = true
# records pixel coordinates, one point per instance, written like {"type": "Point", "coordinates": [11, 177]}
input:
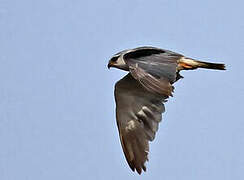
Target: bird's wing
{"type": "Point", "coordinates": [138, 113]}
{"type": "Point", "coordinates": [155, 69]}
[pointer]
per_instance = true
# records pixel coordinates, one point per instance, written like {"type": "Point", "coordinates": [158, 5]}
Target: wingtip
{"type": "Point", "coordinates": [144, 168]}
{"type": "Point", "coordinates": [138, 170]}
{"type": "Point", "coordinates": [131, 167]}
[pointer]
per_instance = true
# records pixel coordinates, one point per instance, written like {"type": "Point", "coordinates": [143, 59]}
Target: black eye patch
{"type": "Point", "coordinates": [113, 59]}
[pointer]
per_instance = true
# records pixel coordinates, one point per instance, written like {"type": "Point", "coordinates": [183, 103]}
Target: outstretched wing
{"type": "Point", "coordinates": [138, 113]}
{"type": "Point", "coordinates": [155, 69]}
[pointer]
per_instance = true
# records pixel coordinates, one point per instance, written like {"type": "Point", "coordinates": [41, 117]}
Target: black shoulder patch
{"type": "Point", "coordinates": [142, 53]}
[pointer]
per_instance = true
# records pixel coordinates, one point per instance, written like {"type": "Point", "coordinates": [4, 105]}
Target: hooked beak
{"type": "Point", "coordinates": [110, 64]}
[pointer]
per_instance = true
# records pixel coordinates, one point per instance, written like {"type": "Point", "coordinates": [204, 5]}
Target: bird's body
{"type": "Point", "coordinates": [140, 95]}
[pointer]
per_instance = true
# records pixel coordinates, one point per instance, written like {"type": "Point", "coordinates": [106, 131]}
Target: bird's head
{"type": "Point", "coordinates": [117, 61]}
{"type": "Point", "coordinates": [113, 61]}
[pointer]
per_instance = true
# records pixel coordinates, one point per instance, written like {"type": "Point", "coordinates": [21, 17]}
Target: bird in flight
{"type": "Point", "coordinates": [141, 93]}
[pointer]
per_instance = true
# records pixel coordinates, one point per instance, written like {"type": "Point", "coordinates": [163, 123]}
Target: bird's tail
{"type": "Point", "coordinates": [189, 64]}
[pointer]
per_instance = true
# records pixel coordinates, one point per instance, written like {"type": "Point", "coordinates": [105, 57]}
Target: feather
{"type": "Point", "coordinates": [138, 113]}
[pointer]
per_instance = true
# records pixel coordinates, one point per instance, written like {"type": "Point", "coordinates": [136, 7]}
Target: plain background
{"type": "Point", "coordinates": [57, 117]}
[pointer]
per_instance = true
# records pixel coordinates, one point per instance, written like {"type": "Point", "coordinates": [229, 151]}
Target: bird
{"type": "Point", "coordinates": [140, 95]}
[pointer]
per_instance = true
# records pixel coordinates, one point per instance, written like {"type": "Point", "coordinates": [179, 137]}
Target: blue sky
{"type": "Point", "coordinates": [57, 117]}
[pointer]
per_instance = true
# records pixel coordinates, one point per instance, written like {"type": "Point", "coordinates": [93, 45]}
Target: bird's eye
{"type": "Point", "coordinates": [113, 59]}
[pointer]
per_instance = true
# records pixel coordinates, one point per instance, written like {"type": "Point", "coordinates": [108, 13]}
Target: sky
{"type": "Point", "coordinates": [57, 110]}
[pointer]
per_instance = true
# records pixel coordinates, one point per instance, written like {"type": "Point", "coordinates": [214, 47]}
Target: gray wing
{"type": "Point", "coordinates": [138, 113]}
{"type": "Point", "coordinates": [155, 69]}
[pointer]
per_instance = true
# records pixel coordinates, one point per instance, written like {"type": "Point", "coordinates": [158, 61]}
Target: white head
{"type": "Point", "coordinates": [117, 61]}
